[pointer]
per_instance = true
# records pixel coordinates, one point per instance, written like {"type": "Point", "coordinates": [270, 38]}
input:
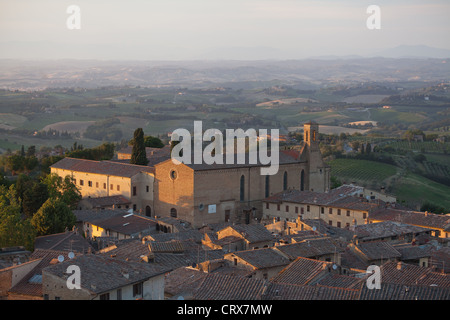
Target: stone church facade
{"type": "Point", "coordinates": [199, 193]}
{"type": "Point", "coordinates": [204, 194]}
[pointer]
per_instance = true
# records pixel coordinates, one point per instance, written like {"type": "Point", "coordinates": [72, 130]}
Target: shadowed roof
{"type": "Point", "coordinates": [101, 167]}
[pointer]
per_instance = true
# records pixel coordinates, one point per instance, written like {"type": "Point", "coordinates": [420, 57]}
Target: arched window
{"type": "Point", "coordinates": [173, 213]}
{"type": "Point", "coordinates": [285, 182]}
{"type": "Point", "coordinates": [242, 189]}
{"type": "Point", "coordinates": [302, 180]}
{"type": "Point", "coordinates": [267, 193]}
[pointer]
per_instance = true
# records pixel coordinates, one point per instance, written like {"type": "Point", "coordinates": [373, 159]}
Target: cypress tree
{"type": "Point", "coordinates": [138, 154]}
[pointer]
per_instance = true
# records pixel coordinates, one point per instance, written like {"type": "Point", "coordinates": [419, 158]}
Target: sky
{"type": "Point", "coordinates": [216, 29]}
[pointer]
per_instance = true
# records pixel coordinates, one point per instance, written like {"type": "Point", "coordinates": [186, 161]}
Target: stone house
{"type": "Point", "coordinates": [104, 278]}
{"type": "Point", "coordinates": [264, 263]}
{"type": "Point", "coordinates": [97, 179]}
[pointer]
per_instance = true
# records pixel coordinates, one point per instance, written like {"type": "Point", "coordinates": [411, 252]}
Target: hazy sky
{"type": "Point", "coordinates": [190, 29]}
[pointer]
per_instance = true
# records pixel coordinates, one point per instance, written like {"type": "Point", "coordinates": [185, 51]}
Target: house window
{"type": "Point", "coordinates": [118, 187]}
{"type": "Point", "coordinates": [322, 210]}
{"type": "Point", "coordinates": [104, 186]}
{"type": "Point", "coordinates": [138, 289]}
{"type": "Point", "coordinates": [104, 296]}
{"type": "Point", "coordinates": [111, 187]}
{"type": "Point", "coordinates": [267, 205]}
{"type": "Point", "coordinates": [134, 191]}
{"type": "Point", "coordinates": [364, 215]}
{"type": "Point", "coordinates": [285, 182]}
{"type": "Point", "coordinates": [330, 222]}
{"type": "Point", "coordinates": [296, 209]}
{"type": "Point", "coordinates": [81, 182]}
{"type": "Point", "coordinates": [96, 184]}
{"type": "Point", "coordinates": [90, 183]}
{"type": "Point", "coordinates": [287, 208]}
{"type": "Point", "coordinates": [134, 207]}
{"type": "Point", "coordinates": [348, 213]}
{"type": "Point", "coordinates": [302, 210]}
{"type": "Point", "coordinates": [173, 213]}
{"type": "Point", "coordinates": [339, 212]}
{"type": "Point", "coordinates": [278, 207]}
{"type": "Point", "coordinates": [307, 208]}
{"type": "Point", "coordinates": [339, 224]}
{"type": "Point", "coordinates": [267, 189]}
{"type": "Point", "coordinates": [147, 188]}
{"type": "Point", "coordinates": [330, 210]}
{"type": "Point", "coordinates": [119, 294]}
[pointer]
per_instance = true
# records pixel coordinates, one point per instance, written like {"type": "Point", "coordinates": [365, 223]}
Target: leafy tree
{"type": "Point", "coordinates": [355, 145]}
{"type": "Point", "coordinates": [14, 163]}
{"type": "Point", "coordinates": [31, 151]}
{"type": "Point", "coordinates": [420, 158]}
{"type": "Point", "coordinates": [33, 198]}
{"type": "Point", "coordinates": [63, 189]}
{"type": "Point", "coordinates": [46, 162]}
{"type": "Point", "coordinates": [430, 207]}
{"type": "Point", "coordinates": [368, 148]}
{"type": "Point", "coordinates": [103, 152]}
{"type": "Point", "coordinates": [153, 142]}
{"type": "Point", "coordinates": [138, 154]}
{"type": "Point", "coordinates": [53, 217]}
{"type": "Point", "coordinates": [14, 230]}
{"type": "Point", "coordinates": [29, 163]}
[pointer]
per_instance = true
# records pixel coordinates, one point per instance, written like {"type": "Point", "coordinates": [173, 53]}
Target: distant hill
{"type": "Point", "coordinates": [418, 51]}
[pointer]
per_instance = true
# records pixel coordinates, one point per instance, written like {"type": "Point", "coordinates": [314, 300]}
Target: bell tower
{"type": "Point", "coordinates": [319, 172]}
{"type": "Point", "coordinates": [311, 134]}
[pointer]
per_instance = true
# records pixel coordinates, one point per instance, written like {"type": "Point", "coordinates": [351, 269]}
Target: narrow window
{"type": "Point", "coordinates": [285, 182]}
{"type": "Point", "coordinates": [267, 186]}
{"type": "Point", "coordinates": [242, 189]}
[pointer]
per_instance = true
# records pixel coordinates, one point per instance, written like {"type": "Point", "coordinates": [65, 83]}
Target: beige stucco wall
{"type": "Point", "coordinates": [347, 217]}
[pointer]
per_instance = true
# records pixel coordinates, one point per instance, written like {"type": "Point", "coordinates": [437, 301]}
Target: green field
{"type": "Point", "coordinates": [410, 189]}
{"type": "Point", "coordinates": [349, 170]}
{"type": "Point", "coordinates": [415, 190]}
{"type": "Point", "coordinates": [394, 116]}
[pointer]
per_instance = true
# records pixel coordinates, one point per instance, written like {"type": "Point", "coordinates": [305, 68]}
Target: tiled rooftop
{"type": "Point", "coordinates": [262, 258]}
{"type": "Point", "coordinates": [101, 167]}
{"type": "Point", "coordinates": [428, 220]}
{"type": "Point", "coordinates": [385, 229]}
{"type": "Point", "coordinates": [65, 241]}
{"type": "Point", "coordinates": [107, 201]}
{"type": "Point", "coordinates": [309, 248]}
{"type": "Point", "coordinates": [301, 271]}
{"type": "Point", "coordinates": [378, 250]}
{"type": "Point", "coordinates": [253, 232]}
{"type": "Point", "coordinates": [216, 286]}
{"type": "Point", "coordinates": [102, 273]}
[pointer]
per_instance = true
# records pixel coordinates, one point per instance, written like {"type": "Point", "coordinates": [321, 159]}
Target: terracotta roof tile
{"type": "Point", "coordinates": [101, 167]}
{"type": "Point", "coordinates": [216, 286]}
